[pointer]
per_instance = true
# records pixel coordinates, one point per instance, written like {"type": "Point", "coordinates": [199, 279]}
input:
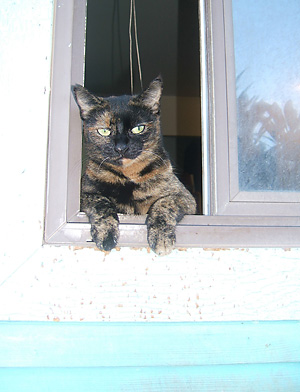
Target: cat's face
{"type": "Point", "coordinates": [120, 128]}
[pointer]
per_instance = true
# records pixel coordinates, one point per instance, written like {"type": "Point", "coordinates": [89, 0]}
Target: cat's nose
{"type": "Point", "coordinates": [121, 147]}
{"type": "Point", "coordinates": [121, 144]}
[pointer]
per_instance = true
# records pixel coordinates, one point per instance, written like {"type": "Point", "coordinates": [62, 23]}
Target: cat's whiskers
{"type": "Point", "coordinates": [105, 159]}
{"type": "Point", "coordinates": [153, 153]}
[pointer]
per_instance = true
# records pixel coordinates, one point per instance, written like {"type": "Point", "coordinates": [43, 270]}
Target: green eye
{"type": "Point", "coordinates": [138, 129]}
{"type": "Point", "coordinates": [104, 131]}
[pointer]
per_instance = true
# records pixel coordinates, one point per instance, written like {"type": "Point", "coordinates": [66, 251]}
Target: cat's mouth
{"type": "Point", "coordinates": [126, 156]}
{"type": "Point", "coordinates": [121, 160]}
{"type": "Point", "coordinates": [121, 157]}
{"type": "Point", "coordinates": [124, 160]}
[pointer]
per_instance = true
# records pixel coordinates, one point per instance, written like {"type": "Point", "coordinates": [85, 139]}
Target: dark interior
{"type": "Point", "coordinates": [168, 38]}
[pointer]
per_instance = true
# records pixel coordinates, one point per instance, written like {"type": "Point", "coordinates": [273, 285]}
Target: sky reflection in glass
{"type": "Point", "coordinates": [267, 60]}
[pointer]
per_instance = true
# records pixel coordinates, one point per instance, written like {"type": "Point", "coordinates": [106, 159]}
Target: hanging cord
{"type": "Point", "coordinates": [133, 13]}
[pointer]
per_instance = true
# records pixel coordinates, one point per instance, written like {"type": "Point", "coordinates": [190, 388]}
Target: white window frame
{"type": "Point", "coordinates": [223, 225]}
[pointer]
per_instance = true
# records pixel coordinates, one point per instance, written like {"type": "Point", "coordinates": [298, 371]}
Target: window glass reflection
{"type": "Point", "coordinates": [267, 60]}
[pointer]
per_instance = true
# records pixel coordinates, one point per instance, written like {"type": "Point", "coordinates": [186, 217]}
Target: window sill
{"type": "Point", "coordinates": [193, 231]}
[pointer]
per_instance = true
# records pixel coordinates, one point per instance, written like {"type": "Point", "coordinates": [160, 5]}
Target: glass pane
{"type": "Point", "coordinates": [267, 60]}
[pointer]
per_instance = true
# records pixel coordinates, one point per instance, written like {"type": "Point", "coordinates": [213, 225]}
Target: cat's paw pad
{"type": "Point", "coordinates": [105, 234]}
{"type": "Point", "coordinates": [161, 241]}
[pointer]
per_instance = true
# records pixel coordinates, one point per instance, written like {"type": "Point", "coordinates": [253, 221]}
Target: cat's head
{"type": "Point", "coordinates": [120, 127]}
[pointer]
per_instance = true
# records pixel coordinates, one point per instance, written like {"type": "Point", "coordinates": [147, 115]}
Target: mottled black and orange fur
{"type": "Point", "coordinates": [129, 173]}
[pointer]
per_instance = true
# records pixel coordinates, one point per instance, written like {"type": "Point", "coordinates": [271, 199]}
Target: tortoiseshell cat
{"type": "Point", "coordinates": [128, 169]}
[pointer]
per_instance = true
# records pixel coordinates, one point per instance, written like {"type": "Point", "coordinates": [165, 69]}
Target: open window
{"type": "Point", "coordinates": [244, 198]}
{"type": "Point", "coordinates": [168, 42]}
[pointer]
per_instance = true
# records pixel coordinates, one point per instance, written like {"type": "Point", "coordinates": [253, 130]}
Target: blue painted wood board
{"type": "Point", "coordinates": [147, 344]}
{"type": "Point", "coordinates": [222, 356]}
{"type": "Point", "coordinates": [231, 378]}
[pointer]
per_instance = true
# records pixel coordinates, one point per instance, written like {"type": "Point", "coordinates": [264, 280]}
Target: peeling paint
{"type": "Point", "coordinates": [217, 249]}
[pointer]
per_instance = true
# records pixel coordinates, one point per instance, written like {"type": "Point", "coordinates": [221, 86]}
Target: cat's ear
{"type": "Point", "coordinates": [86, 101]}
{"type": "Point", "coordinates": [151, 97]}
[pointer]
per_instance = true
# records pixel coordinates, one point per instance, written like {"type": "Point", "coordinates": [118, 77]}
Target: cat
{"type": "Point", "coordinates": [128, 170]}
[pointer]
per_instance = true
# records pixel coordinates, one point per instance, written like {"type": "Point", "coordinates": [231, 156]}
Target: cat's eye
{"type": "Point", "coordinates": [103, 131]}
{"type": "Point", "coordinates": [138, 129]}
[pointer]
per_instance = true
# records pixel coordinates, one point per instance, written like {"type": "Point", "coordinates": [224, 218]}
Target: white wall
{"type": "Point", "coordinates": [65, 283]}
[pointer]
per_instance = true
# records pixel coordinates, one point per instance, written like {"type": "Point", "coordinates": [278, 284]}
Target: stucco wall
{"type": "Point", "coordinates": [64, 283]}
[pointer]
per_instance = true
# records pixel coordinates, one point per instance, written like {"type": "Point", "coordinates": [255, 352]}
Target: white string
{"type": "Point", "coordinates": [133, 12]}
{"type": "Point", "coordinates": [130, 47]}
{"type": "Point", "coordinates": [137, 48]}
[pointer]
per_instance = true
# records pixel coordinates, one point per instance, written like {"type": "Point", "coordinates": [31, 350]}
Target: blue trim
{"type": "Point", "coordinates": [231, 378]}
{"type": "Point", "coordinates": [37, 356]}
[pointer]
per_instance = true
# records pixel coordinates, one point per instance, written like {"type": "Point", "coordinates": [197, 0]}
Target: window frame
{"type": "Point", "coordinates": [220, 226]}
{"type": "Point", "coordinates": [229, 199]}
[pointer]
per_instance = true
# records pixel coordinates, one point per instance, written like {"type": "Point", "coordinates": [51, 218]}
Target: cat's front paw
{"type": "Point", "coordinates": [105, 234]}
{"type": "Point", "coordinates": [161, 240]}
